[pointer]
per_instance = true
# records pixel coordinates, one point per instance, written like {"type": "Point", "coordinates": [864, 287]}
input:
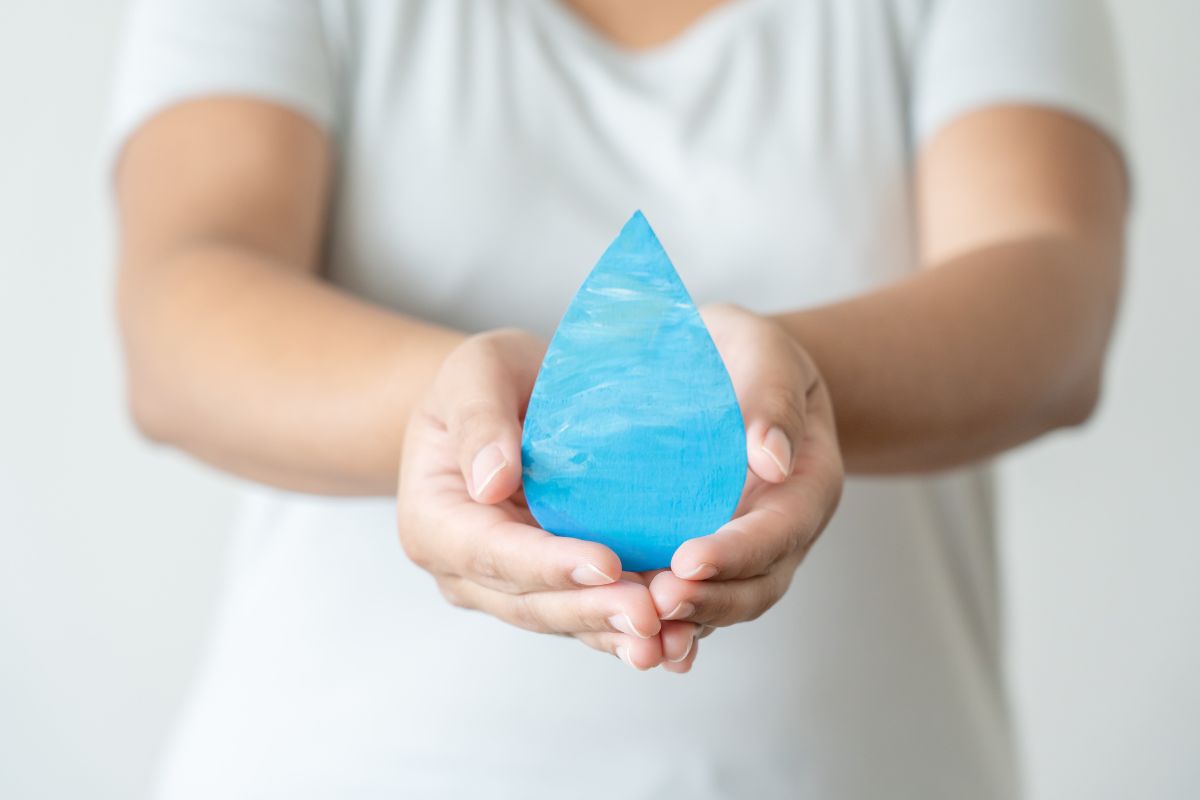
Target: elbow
{"type": "Point", "coordinates": [147, 419]}
{"type": "Point", "coordinates": [1078, 402]}
{"type": "Point", "coordinates": [148, 404]}
{"type": "Point", "coordinates": [147, 409]}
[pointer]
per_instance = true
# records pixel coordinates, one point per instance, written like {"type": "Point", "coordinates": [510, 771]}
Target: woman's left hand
{"type": "Point", "coordinates": [792, 489]}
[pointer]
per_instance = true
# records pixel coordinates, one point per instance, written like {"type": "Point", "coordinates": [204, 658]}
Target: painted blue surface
{"type": "Point", "coordinates": [633, 436]}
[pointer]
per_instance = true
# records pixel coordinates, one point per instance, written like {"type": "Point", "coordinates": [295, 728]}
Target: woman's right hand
{"type": "Point", "coordinates": [463, 519]}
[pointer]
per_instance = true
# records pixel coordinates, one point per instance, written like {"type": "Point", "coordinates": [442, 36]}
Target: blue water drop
{"type": "Point", "coordinates": [633, 436]}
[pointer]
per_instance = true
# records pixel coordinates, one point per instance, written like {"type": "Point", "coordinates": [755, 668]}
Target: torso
{"type": "Point", "coordinates": [488, 152]}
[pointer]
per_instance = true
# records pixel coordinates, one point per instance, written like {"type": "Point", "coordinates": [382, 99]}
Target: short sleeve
{"type": "Point", "coordinates": [175, 50]}
{"type": "Point", "coordinates": [1055, 53]}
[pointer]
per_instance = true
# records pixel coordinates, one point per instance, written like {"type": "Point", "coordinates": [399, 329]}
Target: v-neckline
{"type": "Point", "coordinates": [708, 26]}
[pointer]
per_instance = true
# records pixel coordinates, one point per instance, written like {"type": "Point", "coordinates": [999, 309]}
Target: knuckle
{"type": "Point", "coordinates": [764, 552]}
{"type": "Point", "coordinates": [785, 405]}
{"type": "Point", "coordinates": [484, 562]}
{"type": "Point", "coordinates": [418, 555]}
{"type": "Point", "coordinates": [836, 489]}
{"type": "Point", "coordinates": [527, 616]}
{"type": "Point", "coordinates": [413, 545]}
{"type": "Point", "coordinates": [794, 534]}
{"type": "Point", "coordinates": [449, 587]}
{"type": "Point", "coordinates": [590, 610]}
{"type": "Point", "coordinates": [766, 595]}
{"type": "Point", "coordinates": [550, 575]}
{"type": "Point", "coordinates": [718, 607]}
{"type": "Point", "coordinates": [750, 554]}
{"type": "Point", "coordinates": [756, 611]}
{"type": "Point", "coordinates": [471, 416]}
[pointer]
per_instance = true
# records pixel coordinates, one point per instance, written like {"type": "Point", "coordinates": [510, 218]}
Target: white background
{"type": "Point", "coordinates": [110, 550]}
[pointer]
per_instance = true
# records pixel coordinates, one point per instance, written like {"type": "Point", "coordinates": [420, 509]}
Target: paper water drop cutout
{"type": "Point", "coordinates": [633, 436]}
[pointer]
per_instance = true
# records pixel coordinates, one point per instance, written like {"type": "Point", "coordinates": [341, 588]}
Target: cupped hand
{"type": "Point", "coordinates": [792, 489]}
{"type": "Point", "coordinates": [463, 519]}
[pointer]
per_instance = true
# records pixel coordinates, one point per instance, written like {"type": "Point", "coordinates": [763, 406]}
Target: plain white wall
{"type": "Point", "coordinates": [1102, 530]}
{"type": "Point", "coordinates": [110, 550]}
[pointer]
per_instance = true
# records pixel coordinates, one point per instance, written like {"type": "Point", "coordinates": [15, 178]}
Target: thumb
{"type": "Point", "coordinates": [485, 384]}
{"type": "Point", "coordinates": [489, 455]}
{"type": "Point", "coordinates": [775, 427]}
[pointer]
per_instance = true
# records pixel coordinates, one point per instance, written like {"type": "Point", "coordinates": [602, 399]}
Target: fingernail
{"type": "Point", "coordinates": [624, 624]}
{"type": "Point", "coordinates": [623, 654]}
{"type": "Point", "coordinates": [590, 575]}
{"type": "Point", "coordinates": [691, 641]}
{"type": "Point", "coordinates": [779, 449]}
{"type": "Point", "coordinates": [487, 466]}
{"type": "Point", "coordinates": [700, 573]}
{"type": "Point", "coordinates": [684, 609]}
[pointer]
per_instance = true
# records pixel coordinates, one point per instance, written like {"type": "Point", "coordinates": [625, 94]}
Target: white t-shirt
{"type": "Point", "coordinates": [487, 153]}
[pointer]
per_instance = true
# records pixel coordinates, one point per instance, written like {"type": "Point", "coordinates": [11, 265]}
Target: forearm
{"type": "Point", "coordinates": [968, 359]}
{"type": "Point", "coordinates": [272, 374]}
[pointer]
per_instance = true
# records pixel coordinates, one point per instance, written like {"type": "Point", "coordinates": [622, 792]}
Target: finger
{"type": "Point", "coordinates": [720, 603]}
{"type": "Point", "coordinates": [686, 664]}
{"type": "Point", "coordinates": [514, 558]}
{"type": "Point", "coordinates": [773, 377]}
{"type": "Point", "coordinates": [481, 389]}
{"type": "Point", "coordinates": [678, 639]}
{"type": "Point", "coordinates": [775, 421]}
{"type": "Point", "coordinates": [751, 544]}
{"type": "Point", "coordinates": [643, 577]}
{"type": "Point", "coordinates": [641, 654]}
{"type": "Point", "coordinates": [616, 608]}
{"type": "Point", "coordinates": [782, 519]}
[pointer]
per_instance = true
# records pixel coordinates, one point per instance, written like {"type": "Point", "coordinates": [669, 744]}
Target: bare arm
{"type": "Point", "coordinates": [1002, 336]}
{"type": "Point", "coordinates": [240, 354]}
{"type": "Point", "coordinates": [237, 351]}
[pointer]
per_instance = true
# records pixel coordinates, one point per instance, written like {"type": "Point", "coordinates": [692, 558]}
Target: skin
{"type": "Point", "coordinates": [240, 353]}
{"type": "Point", "coordinates": [462, 517]}
{"type": "Point", "coordinates": [637, 25]}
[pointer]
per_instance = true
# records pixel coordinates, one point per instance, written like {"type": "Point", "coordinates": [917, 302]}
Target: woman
{"type": "Point", "coordinates": [347, 230]}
